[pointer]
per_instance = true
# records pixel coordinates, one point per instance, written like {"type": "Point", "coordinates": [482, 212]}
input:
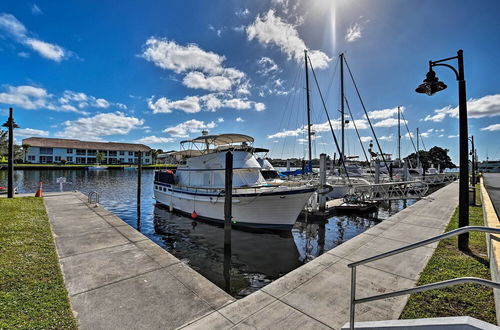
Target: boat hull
{"type": "Point", "coordinates": [266, 210]}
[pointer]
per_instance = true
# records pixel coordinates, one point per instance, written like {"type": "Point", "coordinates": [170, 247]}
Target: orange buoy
{"type": "Point", "coordinates": [39, 190]}
{"type": "Point", "coordinates": [194, 215]}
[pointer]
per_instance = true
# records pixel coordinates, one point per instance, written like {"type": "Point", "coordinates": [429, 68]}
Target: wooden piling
{"type": "Point", "coordinates": [139, 183]}
{"type": "Point", "coordinates": [228, 200]}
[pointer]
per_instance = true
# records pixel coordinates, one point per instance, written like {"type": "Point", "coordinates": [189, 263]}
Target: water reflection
{"type": "Point", "coordinates": [257, 258]}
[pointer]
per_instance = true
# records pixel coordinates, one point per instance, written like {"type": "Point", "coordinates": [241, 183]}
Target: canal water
{"type": "Point", "coordinates": [258, 258]}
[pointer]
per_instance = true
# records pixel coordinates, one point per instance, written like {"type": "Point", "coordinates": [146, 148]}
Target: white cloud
{"type": "Point", "coordinates": [10, 25]}
{"type": "Point", "coordinates": [30, 132]}
{"type": "Point", "coordinates": [35, 10]}
{"type": "Point", "coordinates": [389, 122]}
{"type": "Point", "coordinates": [211, 102]}
{"type": "Point", "coordinates": [242, 12]}
{"type": "Point", "coordinates": [220, 120]}
{"type": "Point", "coordinates": [26, 97]}
{"type": "Point", "coordinates": [322, 127]}
{"type": "Point", "coordinates": [169, 55]}
{"type": "Point", "coordinates": [384, 113]}
{"type": "Point", "coordinates": [198, 79]}
{"type": "Point", "coordinates": [203, 69]}
{"type": "Point", "coordinates": [217, 31]}
{"type": "Point", "coordinates": [102, 124]}
{"type": "Point", "coordinates": [386, 138]}
{"type": "Point", "coordinates": [486, 106]}
{"type": "Point", "coordinates": [47, 50]}
{"type": "Point", "coordinates": [366, 138]}
{"type": "Point", "coordinates": [453, 136]}
{"type": "Point", "coordinates": [32, 97]}
{"type": "Point", "coordinates": [270, 29]}
{"type": "Point", "coordinates": [239, 120]}
{"type": "Point", "coordinates": [267, 66]}
{"type": "Point", "coordinates": [154, 139]}
{"type": "Point", "coordinates": [193, 104]}
{"type": "Point", "coordinates": [288, 133]}
{"type": "Point", "coordinates": [240, 28]}
{"type": "Point", "coordinates": [13, 27]}
{"type": "Point", "coordinates": [491, 128]}
{"type": "Point", "coordinates": [237, 103]}
{"type": "Point", "coordinates": [187, 127]}
{"type": "Point", "coordinates": [353, 32]}
{"type": "Point", "coordinates": [190, 104]}
{"type": "Point", "coordinates": [259, 106]}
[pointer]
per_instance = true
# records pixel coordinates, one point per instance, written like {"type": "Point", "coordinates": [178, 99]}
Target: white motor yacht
{"type": "Point", "coordinates": [196, 188]}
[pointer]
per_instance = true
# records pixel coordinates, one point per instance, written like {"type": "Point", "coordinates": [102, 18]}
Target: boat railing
{"type": "Point", "coordinates": [251, 188]}
{"type": "Point", "coordinates": [354, 301]}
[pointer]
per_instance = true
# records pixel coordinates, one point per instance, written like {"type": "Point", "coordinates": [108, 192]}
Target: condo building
{"type": "Point", "coordinates": [60, 151]}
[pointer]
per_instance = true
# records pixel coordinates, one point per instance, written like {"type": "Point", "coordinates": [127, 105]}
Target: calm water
{"type": "Point", "coordinates": [258, 258]}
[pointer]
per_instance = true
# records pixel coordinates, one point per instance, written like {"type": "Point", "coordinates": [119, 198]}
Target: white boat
{"type": "Point", "coordinates": [197, 187]}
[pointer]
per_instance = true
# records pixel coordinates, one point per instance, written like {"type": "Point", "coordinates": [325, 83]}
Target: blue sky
{"type": "Point", "coordinates": [158, 72]}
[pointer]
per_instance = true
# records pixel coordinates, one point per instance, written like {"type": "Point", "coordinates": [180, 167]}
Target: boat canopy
{"type": "Point", "coordinates": [221, 139]}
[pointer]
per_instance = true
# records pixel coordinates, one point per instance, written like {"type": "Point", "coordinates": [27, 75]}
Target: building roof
{"type": "Point", "coordinates": [77, 144]}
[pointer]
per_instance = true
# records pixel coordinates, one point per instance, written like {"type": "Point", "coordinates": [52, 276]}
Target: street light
{"type": "Point", "coordinates": [430, 86]}
{"type": "Point", "coordinates": [10, 175]}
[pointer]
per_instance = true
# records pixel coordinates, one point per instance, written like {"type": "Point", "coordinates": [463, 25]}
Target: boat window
{"type": "Point", "coordinates": [206, 179]}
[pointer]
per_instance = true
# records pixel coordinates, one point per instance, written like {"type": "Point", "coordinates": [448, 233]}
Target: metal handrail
{"type": "Point", "coordinates": [96, 194]}
{"type": "Point", "coordinates": [421, 288]}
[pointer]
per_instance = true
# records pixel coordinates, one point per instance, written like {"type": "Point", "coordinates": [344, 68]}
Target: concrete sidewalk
{"type": "Point", "coordinates": [492, 184]}
{"type": "Point", "coordinates": [316, 295]}
{"type": "Point", "coordinates": [117, 278]}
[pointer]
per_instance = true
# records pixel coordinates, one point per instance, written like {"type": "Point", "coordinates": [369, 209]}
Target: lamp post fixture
{"type": "Point", "coordinates": [430, 86]}
{"type": "Point", "coordinates": [10, 124]}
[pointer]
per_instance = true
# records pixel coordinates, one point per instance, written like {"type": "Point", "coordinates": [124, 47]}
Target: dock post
{"type": "Point", "coordinates": [228, 200]}
{"type": "Point", "coordinates": [322, 181]}
{"type": "Point", "coordinates": [377, 171]}
{"type": "Point", "coordinates": [288, 164]}
{"type": "Point", "coordinates": [139, 179]}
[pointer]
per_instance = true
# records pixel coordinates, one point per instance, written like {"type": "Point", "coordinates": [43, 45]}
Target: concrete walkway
{"type": "Point", "coordinates": [316, 295]}
{"type": "Point", "coordinates": [117, 278]}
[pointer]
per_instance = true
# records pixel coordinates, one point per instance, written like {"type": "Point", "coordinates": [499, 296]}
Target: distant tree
{"type": "Point", "coordinates": [435, 156]}
{"type": "Point", "coordinates": [99, 156]}
{"type": "Point", "coordinates": [155, 153]}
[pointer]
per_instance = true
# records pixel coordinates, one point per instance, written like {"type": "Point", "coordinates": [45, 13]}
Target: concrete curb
{"type": "Point", "coordinates": [493, 243]}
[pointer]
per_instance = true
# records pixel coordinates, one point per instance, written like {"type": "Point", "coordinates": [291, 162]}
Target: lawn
{"type": "Point", "coordinates": [448, 262]}
{"type": "Point", "coordinates": [32, 291]}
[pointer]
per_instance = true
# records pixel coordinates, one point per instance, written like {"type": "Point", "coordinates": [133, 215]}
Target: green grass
{"type": "Point", "coordinates": [448, 262]}
{"type": "Point", "coordinates": [32, 291]}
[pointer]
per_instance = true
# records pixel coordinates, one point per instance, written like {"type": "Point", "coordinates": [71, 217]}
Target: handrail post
{"type": "Point", "coordinates": [352, 310]}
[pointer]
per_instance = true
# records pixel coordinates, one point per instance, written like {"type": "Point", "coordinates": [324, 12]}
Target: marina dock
{"type": "Point", "coordinates": [118, 278]}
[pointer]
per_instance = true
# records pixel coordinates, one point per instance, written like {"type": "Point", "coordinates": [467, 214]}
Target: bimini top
{"type": "Point", "coordinates": [221, 139]}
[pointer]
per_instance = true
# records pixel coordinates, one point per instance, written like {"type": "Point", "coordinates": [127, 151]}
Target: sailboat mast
{"type": "Point", "coordinates": [399, 136]}
{"type": "Point", "coordinates": [342, 110]}
{"type": "Point", "coordinates": [418, 150]}
{"type": "Point", "coordinates": [308, 108]}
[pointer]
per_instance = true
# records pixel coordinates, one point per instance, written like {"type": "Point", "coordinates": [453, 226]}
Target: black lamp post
{"type": "Point", "coordinates": [430, 86]}
{"type": "Point", "coordinates": [10, 124]}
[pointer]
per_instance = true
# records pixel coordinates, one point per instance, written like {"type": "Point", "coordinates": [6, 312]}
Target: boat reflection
{"type": "Point", "coordinates": [256, 258]}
